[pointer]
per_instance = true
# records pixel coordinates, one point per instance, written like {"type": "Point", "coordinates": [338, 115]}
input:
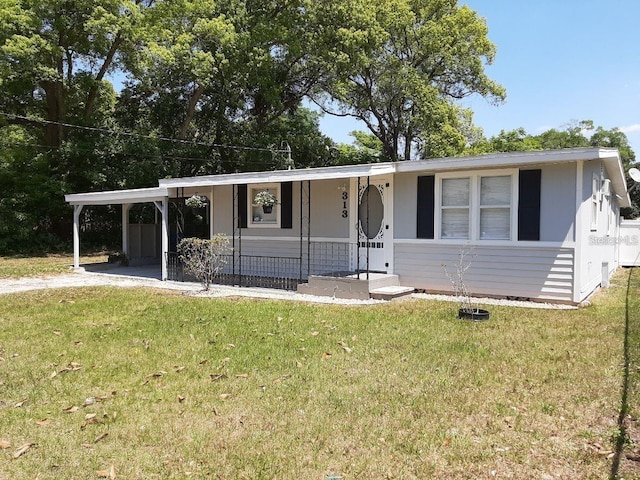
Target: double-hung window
{"type": "Point", "coordinates": [495, 208]}
{"type": "Point", "coordinates": [456, 196]}
{"type": "Point", "coordinates": [478, 206]}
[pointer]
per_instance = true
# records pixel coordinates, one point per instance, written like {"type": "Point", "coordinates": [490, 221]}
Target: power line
{"type": "Point", "coordinates": [140, 136]}
{"type": "Point", "coordinates": [157, 155]}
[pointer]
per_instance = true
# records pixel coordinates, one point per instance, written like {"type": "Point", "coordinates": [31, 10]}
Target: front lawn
{"type": "Point", "coordinates": [141, 384]}
{"type": "Point", "coordinates": [16, 267]}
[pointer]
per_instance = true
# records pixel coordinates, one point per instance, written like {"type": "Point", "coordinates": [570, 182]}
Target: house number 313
{"type": "Point", "coordinates": [345, 210]}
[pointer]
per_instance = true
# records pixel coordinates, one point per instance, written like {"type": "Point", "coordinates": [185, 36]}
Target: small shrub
{"type": "Point", "coordinates": [202, 258]}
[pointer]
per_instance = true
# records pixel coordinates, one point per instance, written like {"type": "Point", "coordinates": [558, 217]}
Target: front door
{"type": "Point", "coordinates": [374, 224]}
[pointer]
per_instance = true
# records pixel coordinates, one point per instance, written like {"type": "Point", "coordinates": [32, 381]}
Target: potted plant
{"type": "Point", "coordinates": [467, 309]}
{"type": "Point", "coordinates": [266, 200]}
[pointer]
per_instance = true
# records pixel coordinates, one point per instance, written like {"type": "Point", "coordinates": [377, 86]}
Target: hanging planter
{"type": "Point", "coordinates": [266, 200]}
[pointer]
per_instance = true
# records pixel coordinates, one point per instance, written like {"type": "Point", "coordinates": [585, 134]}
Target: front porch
{"type": "Point", "coordinates": [321, 269]}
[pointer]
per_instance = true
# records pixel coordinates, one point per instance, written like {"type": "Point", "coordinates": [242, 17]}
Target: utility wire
{"type": "Point", "coordinates": [156, 155]}
{"type": "Point", "coordinates": [146, 137]}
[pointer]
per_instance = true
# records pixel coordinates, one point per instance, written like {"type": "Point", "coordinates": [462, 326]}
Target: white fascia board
{"type": "Point", "coordinates": [609, 156]}
{"type": "Point", "coordinates": [320, 173]}
{"type": "Point", "coordinates": [114, 197]}
{"type": "Point", "coordinates": [511, 159]}
{"type": "Point", "coordinates": [613, 165]}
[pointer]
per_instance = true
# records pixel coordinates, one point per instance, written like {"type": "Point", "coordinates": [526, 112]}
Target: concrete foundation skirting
{"type": "Point", "coordinates": [378, 285]}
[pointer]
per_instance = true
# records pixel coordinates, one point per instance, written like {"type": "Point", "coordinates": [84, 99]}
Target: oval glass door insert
{"type": "Point", "coordinates": [371, 212]}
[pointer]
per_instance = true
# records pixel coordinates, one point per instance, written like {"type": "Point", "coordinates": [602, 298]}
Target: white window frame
{"type": "Point", "coordinates": [466, 207]}
{"type": "Point", "coordinates": [474, 204]}
{"type": "Point", "coordinates": [255, 211]}
{"type": "Point", "coordinates": [595, 200]}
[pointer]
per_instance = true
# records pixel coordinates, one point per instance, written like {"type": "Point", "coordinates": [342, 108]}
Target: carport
{"type": "Point", "coordinates": [159, 196]}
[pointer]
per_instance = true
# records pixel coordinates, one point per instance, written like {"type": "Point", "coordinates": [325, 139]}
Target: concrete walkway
{"type": "Point", "coordinates": [103, 274]}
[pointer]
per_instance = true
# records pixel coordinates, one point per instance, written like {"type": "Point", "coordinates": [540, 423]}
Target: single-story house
{"type": "Point", "coordinates": [542, 225]}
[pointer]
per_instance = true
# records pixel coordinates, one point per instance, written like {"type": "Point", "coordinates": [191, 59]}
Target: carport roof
{"type": "Point", "coordinates": [115, 197]}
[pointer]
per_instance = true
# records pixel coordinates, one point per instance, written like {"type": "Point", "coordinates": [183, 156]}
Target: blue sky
{"type": "Point", "coordinates": [559, 60]}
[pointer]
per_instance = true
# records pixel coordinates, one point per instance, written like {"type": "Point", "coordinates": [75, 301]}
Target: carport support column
{"type": "Point", "coordinates": [76, 235]}
{"type": "Point", "coordinates": [125, 228]}
{"type": "Point", "coordinates": [165, 238]}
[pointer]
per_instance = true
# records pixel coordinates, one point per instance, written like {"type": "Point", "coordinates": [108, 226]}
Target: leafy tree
{"type": "Point", "coordinates": [366, 148]}
{"type": "Point", "coordinates": [55, 55]}
{"type": "Point", "coordinates": [424, 55]}
{"type": "Point", "coordinates": [575, 134]}
{"type": "Point", "coordinates": [517, 140]}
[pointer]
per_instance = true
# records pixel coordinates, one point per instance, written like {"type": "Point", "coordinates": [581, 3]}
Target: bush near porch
{"type": "Point", "coordinates": [134, 383]}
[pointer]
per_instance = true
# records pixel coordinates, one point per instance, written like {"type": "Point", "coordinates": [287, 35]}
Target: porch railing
{"type": "Point", "coordinates": [283, 272]}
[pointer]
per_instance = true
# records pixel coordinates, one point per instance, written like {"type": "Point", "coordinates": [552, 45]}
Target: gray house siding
{"type": "Point", "coordinates": [519, 269]}
{"type": "Point", "coordinates": [324, 257]}
{"type": "Point", "coordinates": [327, 220]}
{"type": "Point", "coordinates": [538, 272]}
{"type": "Point", "coordinates": [557, 203]}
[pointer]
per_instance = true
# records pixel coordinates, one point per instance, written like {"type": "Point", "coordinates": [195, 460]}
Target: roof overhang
{"type": "Point", "coordinates": [318, 173]}
{"type": "Point", "coordinates": [609, 156]}
{"type": "Point", "coordinates": [115, 197]}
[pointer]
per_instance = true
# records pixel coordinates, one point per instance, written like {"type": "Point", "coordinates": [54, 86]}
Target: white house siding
{"type": "Point", "coordinates": [531, 271]}
{"type": "Point", "coordinates": [598, 258]}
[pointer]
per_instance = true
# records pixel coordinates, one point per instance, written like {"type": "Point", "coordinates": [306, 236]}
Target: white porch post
{"type": "Point", "coordinates": [211, 229]}
{"type": "Point", "coordinates": [76, 235]}
{"type": "Point", "coordinates": [165, 237]}
{"type": "Point", "coordinates": [125, 228]}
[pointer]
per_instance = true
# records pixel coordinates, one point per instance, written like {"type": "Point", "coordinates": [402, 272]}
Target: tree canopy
{"type": "Point", "coordinates": [575, 134]}
{"type": "Point", "coordinates": [108, 94]}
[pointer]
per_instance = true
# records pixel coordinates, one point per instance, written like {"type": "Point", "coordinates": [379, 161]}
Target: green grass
{"type": "Point", "coordinates": [245, 389]}
{"type": "Point", "coordinates": [16, 267]}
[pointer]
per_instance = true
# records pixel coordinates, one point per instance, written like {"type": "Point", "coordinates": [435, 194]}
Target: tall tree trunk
{"type": "Point", "coordinates": [93, 91]}
{"type": "Point", "coordinates": [408, 138]}
{"type": "Point", "coordinates": [191, 111]}
{"type": "Point", "coordinates": [54, 93]}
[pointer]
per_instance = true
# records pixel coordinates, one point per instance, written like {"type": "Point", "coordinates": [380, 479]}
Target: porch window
{"type": "Point", "coordinates": [260, 215]}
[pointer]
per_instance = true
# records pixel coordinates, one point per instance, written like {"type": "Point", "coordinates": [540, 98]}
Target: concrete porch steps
{"type": "Point", "coordinates": [391, 292]}
{"type": "Point", "coordinates": [378, 285]}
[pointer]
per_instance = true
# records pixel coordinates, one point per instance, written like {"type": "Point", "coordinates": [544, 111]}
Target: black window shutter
{"type": "Point", "coordinates": [426, 206]}
{"type": "Point", "coordinates": [529, 204]}
{"type": "Point", "coordinates": [242, 206]}
{"type": "Point", "coordinates": [286, 204]}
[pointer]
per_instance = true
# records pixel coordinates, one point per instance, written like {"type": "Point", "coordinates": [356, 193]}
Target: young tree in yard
{"type": "Point", "coordinates": [204, 259]}
{"type": "Point", "coordinates": [424, 55]}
